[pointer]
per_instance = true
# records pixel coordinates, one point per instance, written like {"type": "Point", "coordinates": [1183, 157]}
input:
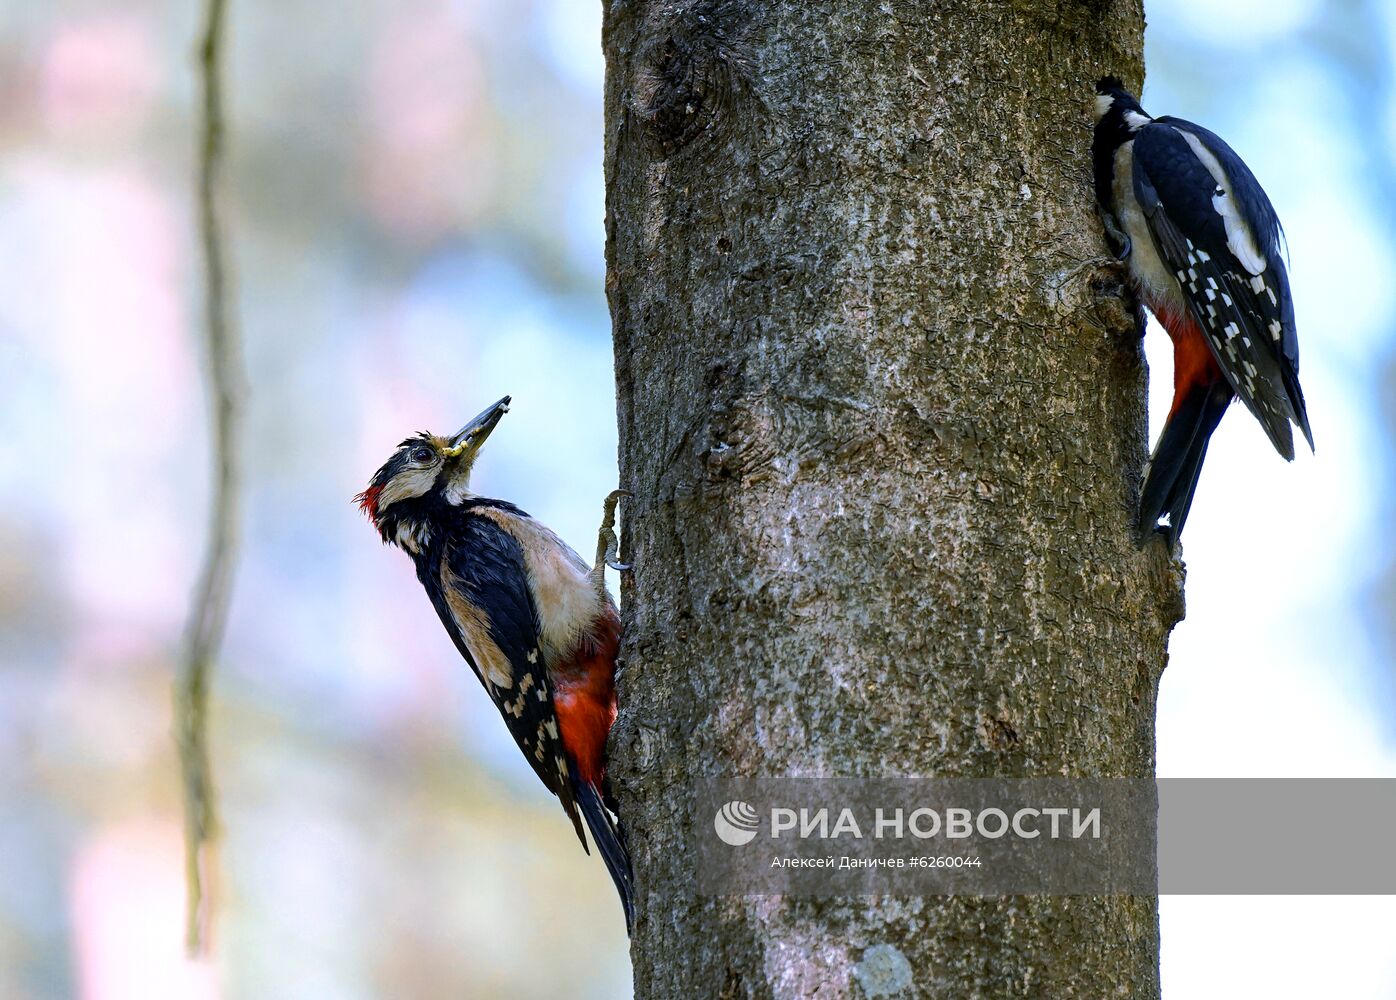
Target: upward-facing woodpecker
{"type": "Point", "coordinates": [534, 622]}
{"type": "Point", "coordinates": [1203, 248]}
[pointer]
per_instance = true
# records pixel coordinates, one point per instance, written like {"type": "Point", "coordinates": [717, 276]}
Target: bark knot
{"type": "Point", "coordinates": [1115, 304]}
{"type": "Point", "coordinates": [998, 734]}
{"type": "Point", "coordinates": [688, 76]}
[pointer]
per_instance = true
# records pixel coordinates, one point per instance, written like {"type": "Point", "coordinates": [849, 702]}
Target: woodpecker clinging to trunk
{"type": "Point", "coordinates": [1203, 246]}
{"type": "Point", "coordinates": [530, 617]}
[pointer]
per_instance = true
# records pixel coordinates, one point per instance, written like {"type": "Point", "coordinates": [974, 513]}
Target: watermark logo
{"type": "Point", "coordinates": [736, 823]}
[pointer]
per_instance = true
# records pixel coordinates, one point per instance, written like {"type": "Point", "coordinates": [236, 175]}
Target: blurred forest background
{"type": "Point", "coordinates": [416, 203]}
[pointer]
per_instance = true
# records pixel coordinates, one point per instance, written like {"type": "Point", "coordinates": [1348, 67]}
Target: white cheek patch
{"type": "Point", "coordinates": [406, 485]}
{"type": "Point", "coordinates": [1103, 104]}
{"type": "Point", "coordinates": [1239, 238]}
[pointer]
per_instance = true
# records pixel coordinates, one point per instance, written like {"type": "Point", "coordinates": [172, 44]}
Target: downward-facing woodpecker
{"type": "Point", "coordinates": [1203, 247]}
{"type": "Point", "coordinates": [534, 622]}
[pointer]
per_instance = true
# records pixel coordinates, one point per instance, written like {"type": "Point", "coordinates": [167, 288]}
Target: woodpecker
{"type": "Point", "coordinates": [1202, 243]}
{"type": "Point", "coordinates": [534, 622]}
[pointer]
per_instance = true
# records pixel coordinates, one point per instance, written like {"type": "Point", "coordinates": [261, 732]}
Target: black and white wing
{"type": "Point", "coordinates": [482, 597]}
{"type": "Point", "coordinates": [1218, 233]}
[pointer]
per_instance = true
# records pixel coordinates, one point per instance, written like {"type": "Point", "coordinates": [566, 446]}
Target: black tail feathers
{"type": "Point", "coordinates": [609, 837]}
{"type": "Point", "coordinates": [1296, 402]}
{"type": "Point", "coordinates": [1177, 460]}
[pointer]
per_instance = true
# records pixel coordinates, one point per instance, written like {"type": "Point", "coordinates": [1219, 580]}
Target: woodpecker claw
{"type": "Point", "coordinates": [1118, 235]}
{"type": "Point", "coordinates": [607, 544]}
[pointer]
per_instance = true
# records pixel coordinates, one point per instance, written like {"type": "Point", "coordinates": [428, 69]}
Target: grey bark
{"type": "Point", "coordinates": [882, 411]}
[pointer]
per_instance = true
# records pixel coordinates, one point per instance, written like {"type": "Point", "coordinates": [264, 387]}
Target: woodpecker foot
{"type": "Point", "coordinates": [607, 544]}
{"type": "Point", "coordinates": [1118, 237]}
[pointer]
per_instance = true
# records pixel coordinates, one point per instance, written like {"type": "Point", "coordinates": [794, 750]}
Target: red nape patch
{"type": "Point", "coordinates": [368, 502]}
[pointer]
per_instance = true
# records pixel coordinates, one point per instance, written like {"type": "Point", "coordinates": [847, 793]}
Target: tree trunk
{"type": "Point", "coordinates": [883, 412]}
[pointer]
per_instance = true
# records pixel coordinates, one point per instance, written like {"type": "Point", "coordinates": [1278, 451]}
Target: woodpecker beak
{"type": "Point", "coordinates": [468, 439]}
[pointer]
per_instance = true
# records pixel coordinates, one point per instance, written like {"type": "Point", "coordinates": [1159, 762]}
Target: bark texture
{"type": "Point", "coordinates": [883, 415]}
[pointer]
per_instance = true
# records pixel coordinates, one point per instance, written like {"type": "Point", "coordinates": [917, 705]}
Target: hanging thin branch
{"type": "Point", "coordinates": [209, 611]}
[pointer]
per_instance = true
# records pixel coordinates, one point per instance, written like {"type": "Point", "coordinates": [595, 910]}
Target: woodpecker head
{"type": "Point", "coordinates": [1117, 113]}
{"type": "Point", "coordinates": [425, 473]}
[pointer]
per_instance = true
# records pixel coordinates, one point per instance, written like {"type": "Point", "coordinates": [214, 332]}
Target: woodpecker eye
{"type": "Point", "coordinates": [422, 454]}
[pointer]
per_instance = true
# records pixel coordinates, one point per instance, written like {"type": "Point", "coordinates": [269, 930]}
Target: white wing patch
{"type": "Point", "coordinates": [1239, 238]}
{"type": "Point", "coordinates": [1136, 121]}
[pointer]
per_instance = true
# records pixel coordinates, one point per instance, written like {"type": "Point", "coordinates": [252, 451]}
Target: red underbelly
{"type": "Point", "coordinates": [584, 698]}
{"type": "Point", "coordinates": [1193, 361]}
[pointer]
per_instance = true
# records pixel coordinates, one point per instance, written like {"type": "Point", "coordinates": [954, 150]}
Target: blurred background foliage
{"type": "Point", "coordinates": [416, 199]}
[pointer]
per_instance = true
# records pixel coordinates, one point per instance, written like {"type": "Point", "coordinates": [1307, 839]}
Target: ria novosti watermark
{"type": "Point", "coordinates": [990, 836]}
{"type": "Point", "coordinates": [738, 823]}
